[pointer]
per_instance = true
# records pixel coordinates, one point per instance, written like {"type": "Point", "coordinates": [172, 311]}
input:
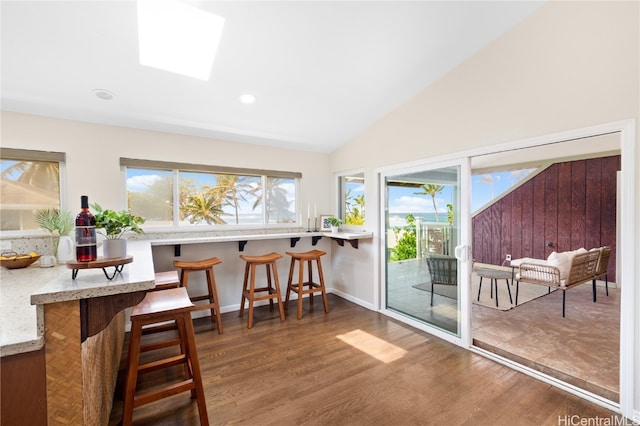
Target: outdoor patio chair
{"type": "Point", "coordinates": [443, 270]}
{"type": "Point", "coordinates": [601, 269]}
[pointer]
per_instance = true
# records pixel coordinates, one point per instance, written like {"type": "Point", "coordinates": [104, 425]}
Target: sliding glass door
{"type": "Point", "coordinates": [426, 249]}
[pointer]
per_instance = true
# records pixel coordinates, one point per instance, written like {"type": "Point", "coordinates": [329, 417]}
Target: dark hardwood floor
{"type": "Point", "coordinates": [349, 367]}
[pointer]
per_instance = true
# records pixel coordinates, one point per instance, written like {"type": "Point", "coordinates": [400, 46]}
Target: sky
{"type": "Point", "coordinates": [484, 188]}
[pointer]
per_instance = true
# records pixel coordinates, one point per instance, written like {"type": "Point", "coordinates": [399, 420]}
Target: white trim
{"type": "Point", "coordinates": [627, 245]}
{"type": "Point", "coordinates": [463, 336]}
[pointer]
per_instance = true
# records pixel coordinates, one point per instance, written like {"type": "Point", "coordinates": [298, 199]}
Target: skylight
{"type": "Point", "coordinates": [177, 37]}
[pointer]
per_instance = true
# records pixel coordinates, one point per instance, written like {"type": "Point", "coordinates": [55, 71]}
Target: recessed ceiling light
{"type": "Point", "coordinates": [178, 37]}
{"type": "Point", "coordinates": [103, 94]}
{"type": "Point", "coordinates": [247, 98]}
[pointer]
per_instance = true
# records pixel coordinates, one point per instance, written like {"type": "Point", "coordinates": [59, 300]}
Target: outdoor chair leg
{"type": "Point", "coordinates": [564, 296]}
{"type": "Point", "coordinates": [509, 290]}
{"type": "Point", "coordinates": [594, 290]}
{"type": "Point", "coordinates": [517, 290]}
{"type": "Point", "coordinates": [479, 288]}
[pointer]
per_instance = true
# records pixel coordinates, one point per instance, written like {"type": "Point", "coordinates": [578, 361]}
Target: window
{"type": "Point", "coordinates": [352, 199]}
{"type": "Point", "coordinates": [30, 180]}
{"type": "Point", "coordinates": [175, 194]}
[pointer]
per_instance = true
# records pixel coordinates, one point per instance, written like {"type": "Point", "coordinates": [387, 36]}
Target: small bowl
{"type": "Point", "coordinates": [13, 260]}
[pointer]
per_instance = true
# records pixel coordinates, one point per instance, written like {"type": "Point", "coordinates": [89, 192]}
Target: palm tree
{"type": "Point", "coordinates": [230, 188]}
{"type": "Point", "coordinates": [41, 174]}
{"type": "Point", "coordinates": [276, 197]}
{"type": "Point", "coordinates": [432, 190]}
{"type": "Point", "coordinates": [355, 209]}
{"type": "Point", "coordinates": [205, 206]}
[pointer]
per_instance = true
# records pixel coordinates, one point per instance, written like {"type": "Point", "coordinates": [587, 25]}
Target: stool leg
{"type": "Point", "coordinates": [213, 293]}
{"type": "Point", "coordinates": [132, 373]}
{"type": "Point", "coordinates": [252, 286]}
{"type": "Point", "coordinates": [269, 286]}
{"type": "Point", "coordinates": [192, 356]}
{"type": "Point", "coordinates": [184, 278]}
{"type": "Point", "coordinates": [289, 283]}
{"type": "Point", "coordinates": [245, 289]}
{"type": "Point", "coordinates": [310, 273]}
{"type": "Point", "coordinates": [278, 294]}
{"type": "Point", "coordinates": [325, 302]}
{"type": "Point", "coordinates": [300, 288]}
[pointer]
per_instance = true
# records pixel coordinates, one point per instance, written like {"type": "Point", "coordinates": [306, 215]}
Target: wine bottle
{"type": "Point", "coordinates": [86, 247]}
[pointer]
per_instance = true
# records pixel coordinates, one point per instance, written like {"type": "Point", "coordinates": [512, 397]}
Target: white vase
{"type": "Point", "coordinates": [334, 229]}
{"type": "Point", "coordinates": [112, 249]}
{"type": "Point", "coordinates": [65, 249]}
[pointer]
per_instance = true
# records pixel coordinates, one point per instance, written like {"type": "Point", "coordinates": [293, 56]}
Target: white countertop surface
{"type": "Point", "coordinates": [24, 291]}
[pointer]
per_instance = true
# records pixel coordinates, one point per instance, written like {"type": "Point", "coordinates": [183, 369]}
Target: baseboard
{"type": "Point", "coordinates": [352, 299]}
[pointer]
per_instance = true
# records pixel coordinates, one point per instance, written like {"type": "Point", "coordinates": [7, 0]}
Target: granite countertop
{"type": "Point", "coordinates": [24, 291]}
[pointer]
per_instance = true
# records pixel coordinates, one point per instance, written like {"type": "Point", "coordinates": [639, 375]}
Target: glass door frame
{"type": "Point", "coordinates": [464, 318]}
{"type": "Point", "coordinates": [628, 244]}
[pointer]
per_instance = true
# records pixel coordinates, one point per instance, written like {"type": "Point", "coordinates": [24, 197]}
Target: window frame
{"type": "Point", "coordinates": [19, 154]}
{"type": "Point", "coordinates": [341, 197]}
{"type": "Point", "coordinates": [177, 168]}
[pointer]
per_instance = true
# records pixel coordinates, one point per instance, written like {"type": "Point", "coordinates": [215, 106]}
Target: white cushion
{"type": "Point", "coordinates": [562, 261]}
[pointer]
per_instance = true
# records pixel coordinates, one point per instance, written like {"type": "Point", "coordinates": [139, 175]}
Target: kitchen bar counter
{"type": "Point", "coordinates": [23, 292]}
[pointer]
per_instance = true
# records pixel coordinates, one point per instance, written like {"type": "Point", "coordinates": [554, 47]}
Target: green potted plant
{"type": "Point", "coordinates": [58, 223]}
{"type": "Point", "coordinates": [335, 222]}
{"type": "Point", "coordinates": [113, 225]}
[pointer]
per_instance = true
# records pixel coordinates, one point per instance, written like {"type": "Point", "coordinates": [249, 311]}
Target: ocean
{"type": "Point", "coordinates": [398, 219]}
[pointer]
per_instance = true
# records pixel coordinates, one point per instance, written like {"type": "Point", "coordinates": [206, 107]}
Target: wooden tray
{"type": "Point", "coordinates": [100, 262]}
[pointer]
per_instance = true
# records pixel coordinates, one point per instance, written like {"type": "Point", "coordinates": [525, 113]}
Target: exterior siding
{"type": "Point", "coordinates": [567, 206]}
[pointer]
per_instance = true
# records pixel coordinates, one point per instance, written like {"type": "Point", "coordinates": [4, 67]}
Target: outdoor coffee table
{"type": "Point", "coordinates": [494, 275]}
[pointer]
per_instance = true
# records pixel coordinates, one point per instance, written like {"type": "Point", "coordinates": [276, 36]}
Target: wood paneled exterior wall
{"type": "Point", "coordinates": [567, 206]}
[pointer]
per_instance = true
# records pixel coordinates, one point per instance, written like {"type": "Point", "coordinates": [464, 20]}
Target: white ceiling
{"type": "Point", "coordinates": [322, 71]}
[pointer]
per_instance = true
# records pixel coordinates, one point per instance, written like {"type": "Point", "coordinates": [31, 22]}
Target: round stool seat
{"type": "Point", "coordinates": [261, 260]}
{"type": "Point", "coordinates": [211, 297]}
{"type": "Point", "coordinates": [307, 255]}
{"type": "Point", "coordinates": [165, 280]}
{"type": "Point", "coordinates": [196, 265]}
{"type": "Point", "coordinates": [165, 302]}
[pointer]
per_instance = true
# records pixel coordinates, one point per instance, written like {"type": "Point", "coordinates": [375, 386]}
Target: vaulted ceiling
{"type": "Point", "coordinates": [321, 72]}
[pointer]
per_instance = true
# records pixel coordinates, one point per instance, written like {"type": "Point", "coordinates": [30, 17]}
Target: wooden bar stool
{"type": "Point", "coordinates": [165, 280]}
{"type": "Point", "coordinates": [314, 287]}
{"type": "Point", "coordinates": [249, 287]}
{"type": "Point", "coordinates": [211, 297]}
{"type": "Point", "coordinates": [158, 307]}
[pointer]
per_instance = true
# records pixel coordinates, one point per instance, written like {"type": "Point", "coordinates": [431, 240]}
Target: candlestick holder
{"type": "Point", "coordinates": [315, 224]}
{"type": "Point", "coordinates": [308, 224]}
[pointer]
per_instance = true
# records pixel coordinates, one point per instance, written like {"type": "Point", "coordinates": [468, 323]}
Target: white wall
{"type": "Point", "coordinates": [570, 65]}
{"type": "Point", "coordinates": [94, 151]}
